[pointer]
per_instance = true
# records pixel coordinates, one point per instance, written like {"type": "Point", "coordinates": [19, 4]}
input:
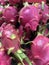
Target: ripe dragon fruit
{"type": "Point", "coordinates": [44, 10]}
{"type": "Point", "coordinates": [29, 17]}
{"type": "Point", "coordinates": [13, 2]}
{"type": "Point", "coordinates": [10, 14]}
{"type": "Point", "coordinates": [10, 35]}
{"type": "Point", "coordinates": [40, 50]}
{"type": "Point", "coordinates": [11, 42]}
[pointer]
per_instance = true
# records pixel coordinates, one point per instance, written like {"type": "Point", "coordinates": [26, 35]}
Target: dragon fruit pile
{"type": "Point", "coordinates": [24, 32]}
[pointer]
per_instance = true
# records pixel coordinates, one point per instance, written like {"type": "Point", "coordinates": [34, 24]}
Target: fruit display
{"type": "Point", "coordinates": [31, 1]}
{"type": "Point", "coordinates": [24, 32]}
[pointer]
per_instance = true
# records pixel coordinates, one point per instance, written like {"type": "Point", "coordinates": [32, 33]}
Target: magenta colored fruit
{"type": "Point", "coordinates": [29, 17]}
{"type": "Point", "coordinates": [45, 13]}
{"type": "Point", "coordinates": [10, 38]}
{"type": "Point", "coordinates": [4, 58]}
{"type": "Point", "coordinates": [13, 2]}
{"type": "Point", "coordinates": [10, 14]}
{"type": "Point", "coordinates": [40, 50]}
{"type": "Point", "coordinates": [2, 2]}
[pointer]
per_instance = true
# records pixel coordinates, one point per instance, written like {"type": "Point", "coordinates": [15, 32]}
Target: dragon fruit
{"type": "Point", "coordinates": [13, 2]}
{"type": "Point", "coordinates": [29, 17]}
{"type": "Point", "coordinates": [44, 10]}
{"type": "Point", "coordinates": [10, 14]}
{"type": "Point", "coordinates": [10, 36]}
{"type": "Point", "coordinates": [11, 42]}
{"type": "Point", "coordinates": [45, 13]}
{"type": "Point", "coordinates": [31, 1]}
{"type": "Point", "coordinates": [40, 50]}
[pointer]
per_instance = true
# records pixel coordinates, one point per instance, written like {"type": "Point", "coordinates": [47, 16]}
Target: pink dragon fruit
{"type": "Point", "coordinates": [40, 50]}
{"type": "Point", "coordinates": [29, 17]}
{"type": "Point", "coordinates": [10, 37]}
{"type": "Point", "coordinates": [44, 9]}
{"type": "Point", "coordinates": [10, 14]}
{"type": "Point", "coordinates": [11, 42]}
{"type": "Point", "coordinates": [45, 13]}
{"type": "Point", "coordinates": [13, 2]}
{"type": "Point", "coordinates": [4, 58]}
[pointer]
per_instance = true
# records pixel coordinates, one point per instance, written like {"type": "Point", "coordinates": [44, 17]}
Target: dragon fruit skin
{"type": "Point", "coordinates": [13, 2]}
{"type": "Point", "coordinates": [29, 17]}
{"type": "Point", "coordinates": [10, 14]}
{"type": "Point", "coordinates": [4, 58]}
{"type": "Point", "coordinates": [40, 50]}
{"type": "Point", "coordinates": [31, 1]}
{"type": "Point", "coordinates": [45, 13]}
{"type": "Point", "coordinates": [2, 2]}
{"type": "Point", "coordinates": [10, 38]}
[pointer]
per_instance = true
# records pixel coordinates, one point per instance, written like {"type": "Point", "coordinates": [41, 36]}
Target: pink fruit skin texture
{"type": "Point", "coordinates": [45, 13]}
{"type": "Point", "coordinates": [13, 2]}
{"type": "Point", "coordinates": [29, 17]}
{"type": "Point", "coordinates": [6, 39]}
{"type": "Point", "coordinates": [31, 1]}
{"type": "Point", "coordinates": [2, 2]}
{"type": "Point", "coordinates": [10, 14]}
{"type": "Point", "coordinates": [40, 50]}
{"type": "Point", "coordinates": [4, 58]}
